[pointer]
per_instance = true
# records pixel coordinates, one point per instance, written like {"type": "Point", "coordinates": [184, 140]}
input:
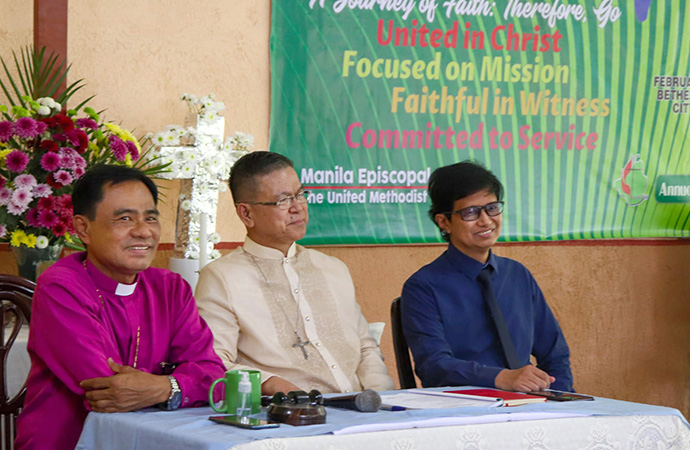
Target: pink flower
{"type": "Point", "coordinates": [16, 210]}
{"type": "Point", "coordinates": [3, 230]}
{"type": "Point", "coordinates": [78, 172]}
{"type": "Point", "coordinates": [63, 177]}
{"type": "Point", "coordinates": [22, 196]}
{"type": "Point", "coordinates": [78, 139]}
{"type": "Point", "coordinates": [79, 162]}
{"type": "Point", "coordinates": [59, 229]}
{"type": "Point", "coordinates": [86, 123]}
{"type": "Point", "coordinates": [2, 182]}
{"type": "Point", "coordinates": [41, 127]}
{"type": "Point", "coordinates": [25, 181]}
{"type": "Point", "coordinates": [47, 218]}
{"type": "Point", "coordinates": [17, 161]}
{"type": "Point", "coordinates": [66, 216]}
{"type": "Point", "coordinates": [6, 131]}
{"type": "Point", "coordinates": [26, 128]}
{"type": "Point", "coordinates": [42, 190]}
{"type": "Point", "coordinates": [118, 147]}
{"type": "Point", "coordinates": [133, 150]}
{"type": "Point", "coordinates": [83, 141]}
{"type": "Point", "coordinates": [5, 195]}
{"type": "Point", "coordinates": [32, 217]}
{"type": "Point", "coordinates": [50, 162]}
{"type": "Point", "coordinates": [49, 202]}
{"type": "Point", "coordinates": [72, 137]}
{"type": "Point", "coordinates": [67, 158]}
{"type": "Point", "coordinates": [64, 203]}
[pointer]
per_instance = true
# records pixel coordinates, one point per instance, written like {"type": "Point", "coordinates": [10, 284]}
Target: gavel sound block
{"type": "Point", "coordinates": [297, 408]}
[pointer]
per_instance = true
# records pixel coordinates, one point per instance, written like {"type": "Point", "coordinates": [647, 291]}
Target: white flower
{"type": "Point", "coordinates": [222, 186]}
{"type": "Point", "coordinates": [210, 115]}
{"type": "Point", "coordinates": [186, 170]}
{"type": "Point", "coordinates": [186, 205]}
{"type": "Point", "coordinates": [214, 238]}
{"type": "Point", "coordinates": [215, 254]}
{"type": "Point", "coordinates": [49, 102]}
{"type": "Point", "coordinates": [159, 138]}
{"type": "Point", "coordinates": [43, 110]}
{"type": "Point", "coordinates": [171, 138]}
{"type": "Point", "coordinates": [41, 242]}
{"type": "Point", "coordinates": [175, 129]}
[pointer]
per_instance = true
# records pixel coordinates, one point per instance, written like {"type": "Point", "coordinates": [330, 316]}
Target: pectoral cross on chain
{"type": "Point", "coordinates": [301, 344]}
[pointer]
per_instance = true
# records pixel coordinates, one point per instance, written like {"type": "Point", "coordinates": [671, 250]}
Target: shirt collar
{"type": "Point", "coordinates": [469, 266]}
{"type": "Point", "coordinates": [107, 284]}
{"type": "Point", "coordinates": [260, 251]}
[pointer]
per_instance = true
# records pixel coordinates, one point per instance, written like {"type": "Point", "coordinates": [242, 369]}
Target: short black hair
{"type": "Point", "coordinates": [244, 172]}
{"type": "Point", "coordinates": [449, 184]}
{"type": "Point", "coordinates": [89, 189]}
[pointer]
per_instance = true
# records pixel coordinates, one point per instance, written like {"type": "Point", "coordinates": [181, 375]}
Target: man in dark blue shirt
{"type": "Point", "coordinates": [445, 313]}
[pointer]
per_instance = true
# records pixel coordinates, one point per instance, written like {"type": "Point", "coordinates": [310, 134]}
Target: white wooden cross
{"type": "Point", "coordinates": [199, 168]}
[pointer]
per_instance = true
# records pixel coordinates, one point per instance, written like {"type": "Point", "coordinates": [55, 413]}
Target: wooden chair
{"type": "Point", "coordinates": [402, 353]}
{"type": "Point", "coordinates": [15, 309]}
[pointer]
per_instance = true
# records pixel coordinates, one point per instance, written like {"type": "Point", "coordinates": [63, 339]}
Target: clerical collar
{"type": "Point", "coordinates": [261, 251]}
{"type": "Point", "coordinates": [106, 283]}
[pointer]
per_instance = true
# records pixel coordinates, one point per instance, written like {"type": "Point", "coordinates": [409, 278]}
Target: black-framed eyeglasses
{"type": "Point", "coordinates": [473, 212]}
{"type": "Point", "coordinates": [286, 202]}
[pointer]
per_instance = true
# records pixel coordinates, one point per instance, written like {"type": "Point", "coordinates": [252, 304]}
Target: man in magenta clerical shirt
{"type": "Point", "coordinates": [108, 332]}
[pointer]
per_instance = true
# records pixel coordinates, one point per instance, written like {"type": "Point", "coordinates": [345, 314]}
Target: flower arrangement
{"type": "Point", "coordinates": [43, 151]}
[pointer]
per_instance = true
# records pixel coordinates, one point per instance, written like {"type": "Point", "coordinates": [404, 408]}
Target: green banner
{"type": "Point", "coordinates": [582, 109]}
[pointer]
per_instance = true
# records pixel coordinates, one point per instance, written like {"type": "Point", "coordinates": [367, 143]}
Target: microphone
{"type": "Point", "coordinates": [365, 401]}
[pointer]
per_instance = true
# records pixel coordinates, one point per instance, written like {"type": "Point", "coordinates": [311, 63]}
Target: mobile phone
{"type": "Point", "coordinates": [249, 423]}
{"type": "Point", "coordinates": [561, 396]}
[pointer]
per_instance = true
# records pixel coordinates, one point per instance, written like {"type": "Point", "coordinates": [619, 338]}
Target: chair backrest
{"type": "Point", "coordinates": [402, 353]}
{"type": "Point", "coordinates": [15, 309]}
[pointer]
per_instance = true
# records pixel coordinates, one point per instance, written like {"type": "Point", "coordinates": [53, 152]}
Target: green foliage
{"type": "Point", "coordinates": [38, 75]}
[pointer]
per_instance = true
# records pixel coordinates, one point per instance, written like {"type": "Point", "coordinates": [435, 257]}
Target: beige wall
{"type": "Point", "coordinates": [138, 57]}
{"type": "Point", "coordinates": [624, 309]}
{"type": "Point", "coordinates": [16, 32]}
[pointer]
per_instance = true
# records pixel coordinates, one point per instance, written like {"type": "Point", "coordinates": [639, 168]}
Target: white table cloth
{"type": "Point", "coordinates": [601, 424]}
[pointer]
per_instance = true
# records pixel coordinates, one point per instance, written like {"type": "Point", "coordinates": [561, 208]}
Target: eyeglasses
{"type": "Point", "coordinates": [473, 212]}
{"type": "Point", "coordinates": [286, 202]}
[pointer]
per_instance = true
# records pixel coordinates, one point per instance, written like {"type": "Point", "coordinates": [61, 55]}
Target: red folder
{"type": "Point", "coordinates": [509, 398]}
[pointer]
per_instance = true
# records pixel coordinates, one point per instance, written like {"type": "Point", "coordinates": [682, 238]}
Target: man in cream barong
{"type": "Point", "coordinates": [282, 309]}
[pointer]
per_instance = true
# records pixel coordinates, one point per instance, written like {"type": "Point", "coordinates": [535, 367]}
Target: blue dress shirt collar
{"type": "Point", "coordinates": [469, 266]}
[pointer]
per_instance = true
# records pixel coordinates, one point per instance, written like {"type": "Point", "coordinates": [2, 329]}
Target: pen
{"type": "Point", "coordinates": [393, 408]}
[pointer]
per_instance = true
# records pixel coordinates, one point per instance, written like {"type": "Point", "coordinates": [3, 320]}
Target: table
{"type": "Point", "coordinates": [603, 423]}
